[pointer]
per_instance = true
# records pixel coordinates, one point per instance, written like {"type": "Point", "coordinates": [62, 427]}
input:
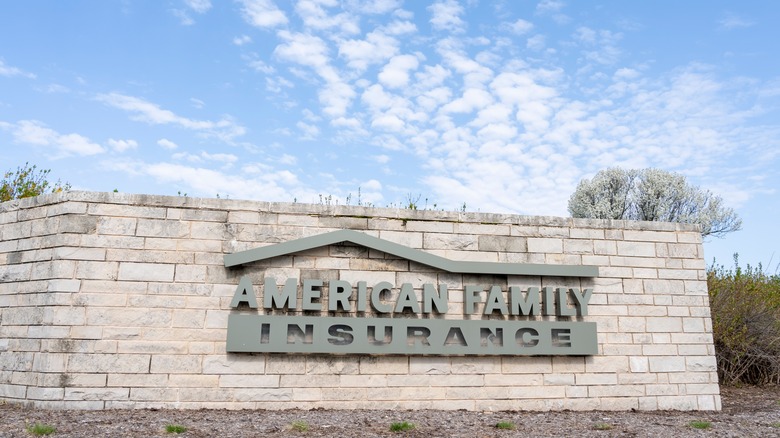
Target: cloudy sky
{"type": "Point", "coordinates": [503, 106]}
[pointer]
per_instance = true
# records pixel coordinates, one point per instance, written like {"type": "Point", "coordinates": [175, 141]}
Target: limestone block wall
{"type": "Point", "coordinates": [121, 301]}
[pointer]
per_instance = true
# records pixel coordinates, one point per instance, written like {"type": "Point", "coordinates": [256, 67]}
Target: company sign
{"type": "Point", "coordinates": [384, 318]}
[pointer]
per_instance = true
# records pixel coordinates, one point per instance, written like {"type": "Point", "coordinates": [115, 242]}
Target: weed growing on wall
{"type": "Point", "coordinates": [745, 306]}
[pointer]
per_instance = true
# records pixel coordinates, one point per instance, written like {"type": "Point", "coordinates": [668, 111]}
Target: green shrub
{"type": "Point", "coordinates": [40, 429]}
{"type": "Point", "coordinates": [698, 424]}
{"type": "Point", "coordinates": [745, 305]}
{"type": "Point", "coordinates": [401, 427]}
{"type": "Point", "coordinates": [26, 182]}
{"type": "Point", "coordinates": [507, 425]}
{"type": "Point", "coordinates": [175, 428]}
{"type": "Point", "coordinates": [299, 426]}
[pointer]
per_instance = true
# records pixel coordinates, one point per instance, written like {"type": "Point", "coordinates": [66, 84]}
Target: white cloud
{"type": "Point", "coordinates": [222, 158]}
{"type": "Point", "coordinates": [307, 131]}
{"type": "Point", "coordinates": [315, 16]}
{"type": "Point", "coordinates": [445, 15]}
{"type": "Point", "coordinates": [144, 111]}
{"type": "Point", "coordinates": [277, 84]}
{"type": "Point", "coordinates": [521, 27]}
{"type": "Point", "coordinates": [375, 49]}
{"type": "Point", "coordinates": [547, 6]}
{"type": "Point", "coordinates": [262, 67]}
{"type": "Point", "coordinates": [251, 181]}
{"type": "Point", "coordinates": [167, 144]}
{"type": "Point", "coordinates": [263, 13]}
{"type": "Point", "coordinates": [308, 50]}
{"type": "Point", "coordinates": [375, 6]}
{"type": "Point", "coordinates": [398, 27]}
{"type": "Point", "coordinates": [9, 71]}
{"type": "Point", "coordinates": [197, 103]}
{"type": "Point", "coordinates": [36, 133]}
{"type": "Point", "coordinates": [732, 21]}
{"type": "Point", "coordinates": [602, 45]}
{"type": "Point", "coordinates": [396, 73]}
{"type": "Point", "coordinates": [199, 6]}
{"type": "Point", "coordinates": [122, 145]}
{"type": "Point", "coordinates": [242, 40]}
{"type": "Point", "coordinates": [535, 42]}
{"type": "Point", "coordinates": [471, 100]}
{"type": "Point", "coordinates": [288, 159]}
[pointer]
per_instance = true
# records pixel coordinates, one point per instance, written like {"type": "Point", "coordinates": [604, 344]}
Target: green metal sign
{"type": "Point", "coordinates": [338, 317]}
{"type": "Point", "coordinates": [346, 335]}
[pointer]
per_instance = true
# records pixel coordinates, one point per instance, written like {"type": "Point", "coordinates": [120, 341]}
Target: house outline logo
{"type": "Point", "coordinates": [411, 254]}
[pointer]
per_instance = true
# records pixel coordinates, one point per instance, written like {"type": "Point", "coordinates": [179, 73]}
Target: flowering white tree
{"type": "Point", "coordinates": [651, 195]}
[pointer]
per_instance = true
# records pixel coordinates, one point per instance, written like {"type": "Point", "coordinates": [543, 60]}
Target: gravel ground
{"type": "Point", "coordinates": [749, 412]}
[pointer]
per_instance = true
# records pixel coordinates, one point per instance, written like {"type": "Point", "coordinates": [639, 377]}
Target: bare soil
{"type": "Point", "coordinates": [747, 412]}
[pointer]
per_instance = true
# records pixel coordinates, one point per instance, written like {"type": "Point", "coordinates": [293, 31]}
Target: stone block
{"type": "Point", "coordinates": [108, 363]}
{"type": "Point", "coordinates": [137, 380]}
{"type": "Point", "coordinates": [335, 365]}
{"type": "Point", "coordinates": [429, 226]}
{"type": "Point", "coordinates": [666, 364]}
{"type": "Point", "coordinates": [678, 403]}
{"type": "Point", "coordinates": [527, 365]}
{"type": "Point", "coordinates": [545, 245]}
{"type": "Point", "coordinates": [123, 226]}
{"type": "Point", "coordinates": [664, 324]}
{"type": "Point", "coordinates": [162, 228]}
{"type": "Point", "coordinates": [502, 243]}
{"type": "Point", "coordinates": [430, 365]}
{"type": "Point", "coordinates": [636, 249]}
{"type": "Point", "coordinates": [128, 317]}
{"type": "Point", "coordinates": [596, 379]}
{"type": "Point", "coordinates": [701, 363]}
{"type": "Point", "coordinates": [146, 272]}
{"type": "Point", "coordinates": [459, 242]}
{"type": "Point", "coordinates": [248, 381]}
{"type": "Point", "coordinates": [233, 364]}
{"type": "Point", "coordinates": [93, 270]}
{"type": "Point", "coordinates": [77, 224]}
{"type": "Point", "coordinates": [384, 365]}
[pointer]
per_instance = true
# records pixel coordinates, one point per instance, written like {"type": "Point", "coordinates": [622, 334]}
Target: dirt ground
{"type": "Point", "coordinates": [747, 412]}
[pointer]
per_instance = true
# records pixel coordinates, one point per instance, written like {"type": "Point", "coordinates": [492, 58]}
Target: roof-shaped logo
{"type": "Point", "coordinates": [415, 255]}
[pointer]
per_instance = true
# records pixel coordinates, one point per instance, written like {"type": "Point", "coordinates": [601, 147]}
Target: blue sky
{"type": "Point", "coordinates": [503, 106]}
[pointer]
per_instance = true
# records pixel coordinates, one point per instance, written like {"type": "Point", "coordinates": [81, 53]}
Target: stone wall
{"type": "Point", "coordinates": [122, 301]}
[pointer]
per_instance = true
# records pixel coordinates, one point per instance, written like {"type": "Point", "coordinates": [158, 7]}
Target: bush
{"type": "Point", "coordinates": [745, 305]}
{"type": "Point", "coordinates": [28, 181]}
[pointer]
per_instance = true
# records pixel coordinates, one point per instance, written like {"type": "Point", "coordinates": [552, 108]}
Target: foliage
{"type": "Point", "coordinates": [27, 182]}
{"type": "Point", "coordinates": [651, 195]}
{"type": "Point", "coordinates": [698, 424]}
{"type": "Point", "coordinates": [299, 426]}
{"type": "Point", "coordinates": [602, 426]}
{"type": "Point", "coordinates": [506, 425]}
{"type": "Point", "coordinates": [401, 427]}
{"type": "Point", "coordinates": [41, 429]}
{"type": "Point", "coordinates": [745, 306]}
{"type": "Point", "coordinates": [175, 428]}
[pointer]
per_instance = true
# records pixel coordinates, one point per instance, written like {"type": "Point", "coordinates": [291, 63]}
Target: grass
{"type": "Point", "coordinates": [299, 426]}
{"type": "Point", "coordinates": [775, 425]}
{"type": "Point", "coordinates": [175, 428]}
{"type": "Point", "coordinates": [40, 429]}
{"type": "Point", "coordinates": [602, 426]}
{"type": "Point", "coordinates": [698, 424]}
{"type": "Point", "coordinates": [506, 425]}
{"type": "Point", "coordinates": [401, 427]}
